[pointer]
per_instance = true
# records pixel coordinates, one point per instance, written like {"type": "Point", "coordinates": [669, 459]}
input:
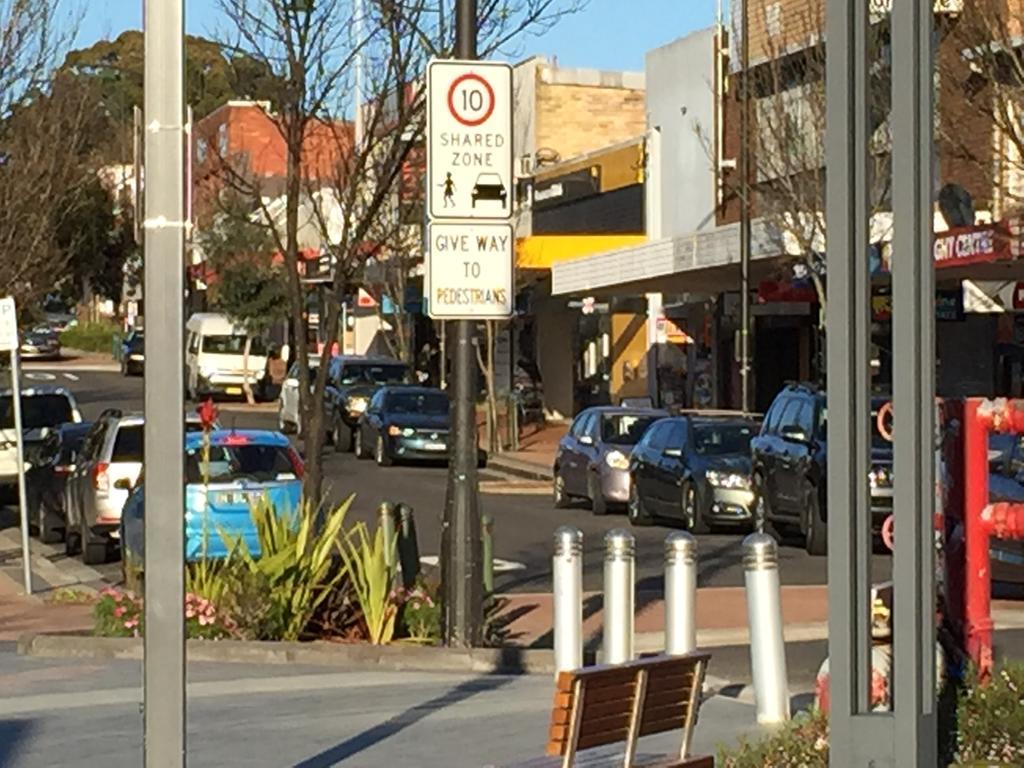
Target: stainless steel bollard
{"type": "Point", "coordinates": [764, 613]}
{"type": "Point", "coordinates": [386, 521]}
{"type": "Point", "coordinates": [408, 546]}
{"type": "Point", "coordinates": [567, 570]}
{"type": "Point", "coordinates": [619, 567]}
{"type": "Point", "coordinates": [680, 593]}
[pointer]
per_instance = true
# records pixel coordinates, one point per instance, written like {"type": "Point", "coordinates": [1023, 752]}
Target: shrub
{"type": "Point", "coordinates": [366, 562]}
{"type": "Point", "coordinates": [420, 611]}
{"type": "Point", "coordinates": [990, 718]}
{"type": "Point", "coordinates": [90, 337]}
{"type": "Point", "coordinates": [800, 743]}
{"type": "Point", "coordinates": [122, 614]}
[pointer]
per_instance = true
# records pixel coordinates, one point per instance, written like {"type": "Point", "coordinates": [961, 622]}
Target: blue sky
{"type": "Point", "coordinates": [609, 34]}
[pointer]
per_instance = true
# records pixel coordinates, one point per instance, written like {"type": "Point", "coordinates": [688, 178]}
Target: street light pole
{"type": "Point", "coordinates": [164, 226]}
{"type": "Point", "coordinates": [462, 572]}
{"type": "Point", "coordinates": [745, 194]}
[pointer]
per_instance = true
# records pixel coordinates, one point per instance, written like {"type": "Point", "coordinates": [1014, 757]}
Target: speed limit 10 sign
{"type": "Point", "coordinates": [469, 127]}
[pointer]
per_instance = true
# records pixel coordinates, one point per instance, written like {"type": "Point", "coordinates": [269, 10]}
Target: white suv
{"type": "Point", "coordinates": [42, 410]}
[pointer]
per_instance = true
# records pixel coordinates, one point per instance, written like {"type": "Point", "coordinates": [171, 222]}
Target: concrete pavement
{"type": "Point", "coordinates": [67, 713]}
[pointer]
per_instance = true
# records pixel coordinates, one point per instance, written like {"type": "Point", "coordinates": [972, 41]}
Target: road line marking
{"type": "Point", "coordinates": [500, 565]}
{"type": "Point", "coordinates": [70, 376]}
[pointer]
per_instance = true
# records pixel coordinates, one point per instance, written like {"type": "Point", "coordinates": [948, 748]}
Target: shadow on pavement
{"type": "Point", "coordinates": [12, 733]}
{"type": "Point", "coordinates": [373, 736]}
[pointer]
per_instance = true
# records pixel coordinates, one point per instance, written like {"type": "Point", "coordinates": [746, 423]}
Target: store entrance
{"type": "Point", "coordinates": [777, 359]}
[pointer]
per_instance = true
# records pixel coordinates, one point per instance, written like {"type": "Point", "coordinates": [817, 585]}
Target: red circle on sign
{"type": "Point", "coordinates": [451, 100]}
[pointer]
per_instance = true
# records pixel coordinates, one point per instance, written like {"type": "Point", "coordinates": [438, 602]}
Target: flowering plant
{"type": "Point", "coordinates": [122, 614]}
{"type": "Point", "coordinates": [420, 611]}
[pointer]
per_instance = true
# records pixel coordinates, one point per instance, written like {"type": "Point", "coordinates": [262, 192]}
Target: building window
{"type": "Point", "coordinates": [773, 19]}
{"type": "Point", "coordinates": [222, 140]}
{"type": "Point", "coordinates": [201, 151]}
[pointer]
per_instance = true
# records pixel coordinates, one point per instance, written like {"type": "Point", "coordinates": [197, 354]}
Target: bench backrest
{"type": "Point", "coordinates": [597, 706]}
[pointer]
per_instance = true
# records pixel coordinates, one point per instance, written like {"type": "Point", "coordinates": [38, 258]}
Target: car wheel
{"type": "Point", "coordinates": [341, 435]}
{"type": "Point", "coordinates": [559, 496]}
{"type": "Point", "coordinates": [693, 518]}
{"type": "Point", "coordinates": [93, 552]}
{"type": "Point", "coordinates": [598, 504]}
{"type": "Point", "coordinates": [637, 510]}
{"type": "Point", "coordinates": [360, 445]}
{"type": "Point", "coordinates": [814, 529]}
{"type": "Point", "coordinates": [381, 454]}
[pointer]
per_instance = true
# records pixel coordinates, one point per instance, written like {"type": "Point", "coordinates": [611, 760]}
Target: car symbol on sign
{"type": "Point", "coordinates": [489, 187]}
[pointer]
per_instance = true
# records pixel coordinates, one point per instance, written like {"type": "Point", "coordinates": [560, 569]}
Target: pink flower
{"type": "Point", "coordinates": [205, 621]}
{"type": "Point", "coordinates": [119, 611]}
{"type": "Point", "coordinates": [131, 623]}
{"type": "Point", "coordinates": [190, 612]}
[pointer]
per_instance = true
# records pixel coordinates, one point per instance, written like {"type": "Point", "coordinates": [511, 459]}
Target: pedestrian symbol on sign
{"type": "Point", "coordinates": [449, 190]}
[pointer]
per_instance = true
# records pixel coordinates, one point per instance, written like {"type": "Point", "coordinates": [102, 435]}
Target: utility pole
{"type": "Point", "coordinates": [745, 195]}
{"type": "Point", "coordinates": [461, 567]}
{"type": "Point", "coordinates": [164, 226]}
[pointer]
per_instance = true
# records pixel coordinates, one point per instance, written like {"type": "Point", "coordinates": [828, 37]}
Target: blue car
{"type": "Point", "coordinates": [245, 466]}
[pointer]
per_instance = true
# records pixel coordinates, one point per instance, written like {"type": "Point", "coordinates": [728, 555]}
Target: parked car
{"type": "Point", "coordinates": [695, 469]}
{"type": "Point", "coordinates": [592, 460]}
{"type": "Point", "coordinates": [288, 419]}
{"type": "Point", "coordinates": [1006, 483]}
{"type": "Point", "coordinates": [94, 495]}
{"type": "Point", "coordinates": [40, 343]}
{"type": "Point", "coordinates": [790, 466]}
{"type": "Point", "coordinates": [46, 472]}
{"type": "Point", "coordinates": [133, 353]}
{"type": "Point", "coordinates": [60, 321]}
{"type": "Point", "coordinates": [246, 466]}
{"type": "Point", "coordinates": [351, 381]}
{"type": "Point", "coordinates": [43, 409]}
{"type": "Point", "coordinates": [406, 423]}
{"type": "Point", "coordinates": [215, 357]}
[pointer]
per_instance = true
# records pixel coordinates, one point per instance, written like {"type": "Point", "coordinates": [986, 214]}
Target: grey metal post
{"type": "Point", "coordinates": [487, 528]}
{"type": "Point", "coordinates": [461, 575]}
{"type": "Point", "coordinates": [386, 523]}
{"type": "Point", "coordinates": [408, 546]}
{"type": "Point", "coordinates": [764, 615]}
{"type": "Point", "coordinates": [619, 567]}
{"type": "Point", "coordinates": [164, 227]}
{"type": "Point", "coordinates": [680, 593]}
{"type": "Point", "coordinates": [745, 208]}
{"type": "Point", "coordinates": [567, 574]}
{"type": "Point", "coordinates": [26, 551]}
{"type": "Point", "coordinates": [913, 331]}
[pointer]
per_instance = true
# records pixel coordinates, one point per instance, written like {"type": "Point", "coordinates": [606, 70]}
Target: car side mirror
{"type": "Point", "coordinates": [124, 484]}
{"type": "Point", "coordinates": [586, 440]}
{"type": "Point", "coordinates": [794, 433]}
{"type": "Point", "coordinates": [672, 453]}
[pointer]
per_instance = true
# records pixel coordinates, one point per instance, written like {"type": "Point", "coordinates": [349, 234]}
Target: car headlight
{"type": "Point", "coordinates": [396, 431]}
{"type": "Point", "coordinates": [357, 404]}
{"type": "Point", "coordinates": [728, 480]}
{"type": "Point", "coordinates": [617, 460]}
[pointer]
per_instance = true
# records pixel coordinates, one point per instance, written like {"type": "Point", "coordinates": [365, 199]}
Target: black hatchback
{"type": "Point", "coordinates": [694, 469]}
{"type": "Point", "coordinates": [49, 464]}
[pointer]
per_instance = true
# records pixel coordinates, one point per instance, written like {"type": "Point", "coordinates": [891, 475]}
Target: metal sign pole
{"type": "Point", "coordinates": [22, 500]}
{"type": "Point", "coordinates": [164, 225]}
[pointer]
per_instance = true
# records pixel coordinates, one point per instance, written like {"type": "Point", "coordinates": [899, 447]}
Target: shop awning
{"type": "Point", "coordinates": [544, 251]}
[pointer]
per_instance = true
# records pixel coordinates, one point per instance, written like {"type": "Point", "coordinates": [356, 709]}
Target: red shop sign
{"type": "Point", "coordinates": [970, 245]}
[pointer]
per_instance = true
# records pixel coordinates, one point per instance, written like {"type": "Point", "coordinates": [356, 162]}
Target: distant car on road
{"type": "Point", "coordinates": [288, 418]}
{"type": "Point", "coordinates": [43, 409]}
{"type": "Point", "coordinates": [246, 467]}
{"type": "Point", "coordinates": [695, 469]}
{"type": "Point", "coordinates": [215, 361]}
{"type": "Point", "coordinates": [489, 187]}
{"type": "Point", "coordinates": [351, 381]}
{"type": "Point", "coordinates": [46, 474]}
{"type": "Point", "coordinates": [406, 424]}
{"type": "Point", "coordinates": [592, 460]}
{"type": "Point", "coordinates": [94, 495]}
{"type": "Point", "coordinates": [40, 343]}
{"type": "Point", "coordinates": [133, 354]}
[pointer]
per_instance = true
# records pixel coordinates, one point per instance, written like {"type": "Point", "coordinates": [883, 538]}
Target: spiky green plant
{"type": "Point", "coordinates": [367, 564]}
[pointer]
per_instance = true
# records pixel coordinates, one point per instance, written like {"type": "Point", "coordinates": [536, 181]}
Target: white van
{"type": "Point", "coordinates": [214, 354]}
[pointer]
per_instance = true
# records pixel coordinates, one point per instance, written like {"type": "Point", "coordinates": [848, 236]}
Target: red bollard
{"type": "Point", "coordinates": [978, 570]}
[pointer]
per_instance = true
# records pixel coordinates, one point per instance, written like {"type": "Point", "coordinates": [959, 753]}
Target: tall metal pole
{"type": "Point", "coordinates": [164, 225]}
{"type": "Point", "coordinates": [360, 73]}
{"type": "Point", "coordinates": [462, 575]}
{"type": "Point", "coordinates": [19, 439]}
{"type": "Point", "coordinates": [745, 194]}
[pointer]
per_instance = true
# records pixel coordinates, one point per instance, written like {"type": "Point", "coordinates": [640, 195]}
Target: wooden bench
{"type": "Point", "coordinates": [601, 706]}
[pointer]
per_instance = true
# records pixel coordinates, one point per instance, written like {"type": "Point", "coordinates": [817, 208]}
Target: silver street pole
{"type": "Point", "coordinates": [619, 577]}
{"type": "Point", "coordinates": [680, 593]}
{"type": "Point", "coordinates": [164, 225]}
{"type": "Point", "coordinates": [20, 445]}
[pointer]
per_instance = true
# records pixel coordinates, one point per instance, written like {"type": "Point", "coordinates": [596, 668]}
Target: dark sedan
{"type": "Point", "coordinates": [40, 343]}
{"type": "Point", "coordinates": [694, 469]}
{"type": "Point", "coordinates": [404, 423]}
{"type": "Point", "coordinates": [592, 460]}
{"type": "Point", "coordinates": [48, 465]}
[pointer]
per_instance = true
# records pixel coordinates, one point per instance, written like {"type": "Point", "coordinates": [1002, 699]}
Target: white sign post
{"type": "Point", "coordinates": [471, 190]}
{"type": "Point", "coordinates": [9, 342]}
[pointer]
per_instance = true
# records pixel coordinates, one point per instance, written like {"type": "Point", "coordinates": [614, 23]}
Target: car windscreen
{"type": "Point", "coordinates": [722, 439]}
{"type": "Point", "coordinates": [128, 444]}
{"type": "Point", "coordinates": [624, 428]}
{"type": "Point", "coordinates": [228, 464]}
{"type": "Point", "coordinates": [232, 345]}
{"type": "Point", "coordinates": [37, 411]}
{"type": "Point", "coordinates": [367, 373]}
{"type": "Point", "coordinates": [427, 403]}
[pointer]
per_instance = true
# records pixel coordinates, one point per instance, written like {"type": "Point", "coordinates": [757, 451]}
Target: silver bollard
{"type": "Point", "coordinates": [567, 570]}
{"type": "Point", "coordinates": [764, 613]}
{"type": "Point", "coordinates": [680, 593]}
{"type": "Point", "coordinates": [386, 521]}
{"type": "Point", "coordinates": [619, 565]}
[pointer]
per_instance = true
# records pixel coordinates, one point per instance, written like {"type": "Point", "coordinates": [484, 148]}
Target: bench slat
{"type": "Point", "coordinates": [662, 683]}
{"type": "Point", "coordinates": [598, 696]}
{"type": "Point", "coordinates": [592, 710]}
{"type": "Point", "coordinates": [665, 698]}
{"type": "Point", "coordinates": [593, 728]}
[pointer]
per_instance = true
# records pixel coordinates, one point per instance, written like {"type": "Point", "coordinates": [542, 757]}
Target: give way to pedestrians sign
{"type": "Point", "coordinates": [469, 139]}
